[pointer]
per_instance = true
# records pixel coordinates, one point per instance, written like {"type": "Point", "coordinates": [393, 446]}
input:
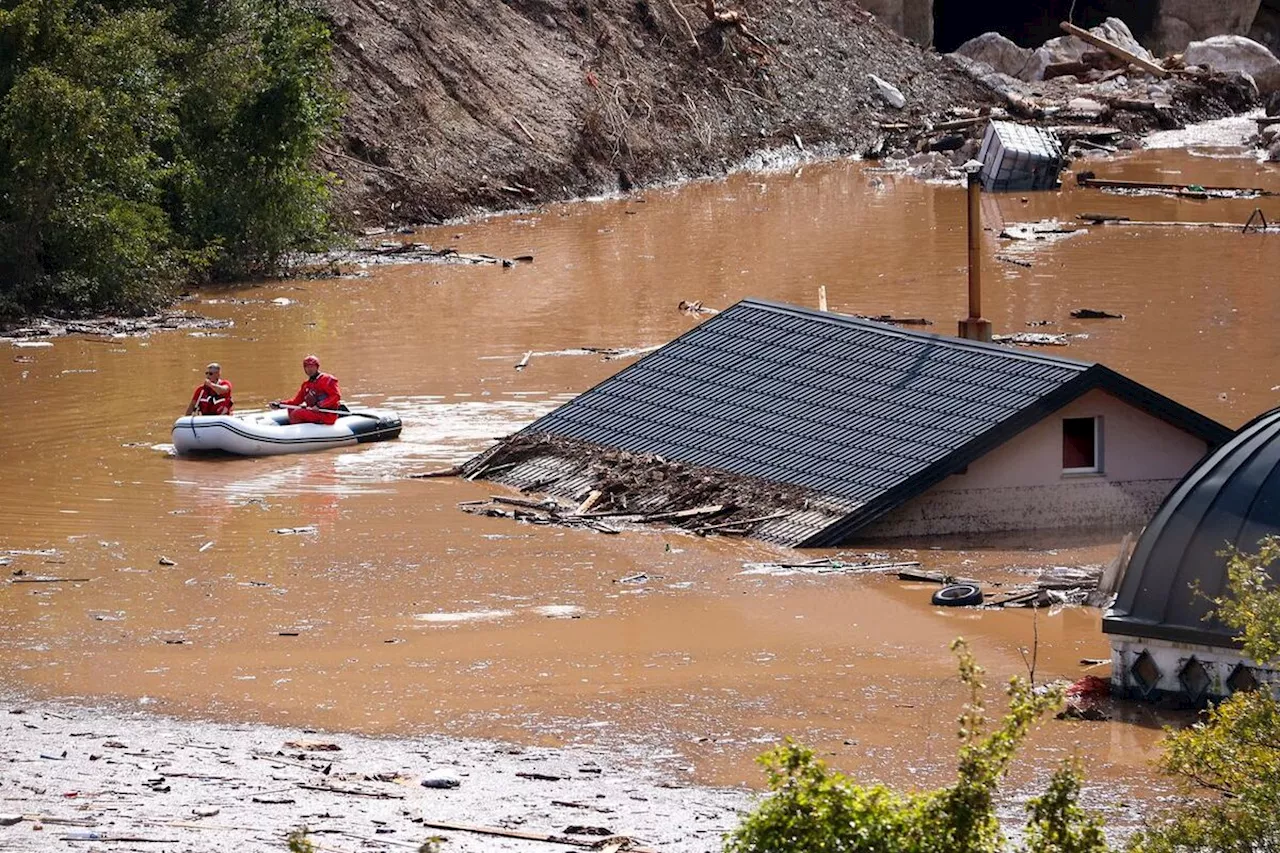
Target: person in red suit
{"type": "Point", "coordinates": [318, 393]}
{"type": "Point", "coordinates": [213, 396]}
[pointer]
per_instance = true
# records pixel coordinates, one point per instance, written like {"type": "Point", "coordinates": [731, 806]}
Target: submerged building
{"type": "Point", "coordinates": [1161, 643]}
{"type": "Point", "coordinates": [891, 432]}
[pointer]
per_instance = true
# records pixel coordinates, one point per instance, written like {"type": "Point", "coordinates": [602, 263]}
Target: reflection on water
{"type": "Point", "coordinates": [395, 612]}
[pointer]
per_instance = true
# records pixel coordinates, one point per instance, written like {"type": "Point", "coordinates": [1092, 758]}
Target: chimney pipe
{"type": "Point", "coordinates": [974, 327]}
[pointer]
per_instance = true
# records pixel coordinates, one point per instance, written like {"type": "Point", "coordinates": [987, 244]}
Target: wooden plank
{"type": "Point", "coordinates": [527, 503]}
{"type": "Point", "coordinates": [1232, 226]}
{"type": "Point", "coordinates": [684, 513]}
{"type": "Point", "coordinates": [1086, 180]}
{"type": "Point", "coordinates": [592, 500]}
{"type": "Point", "coordinates": [931, 577]}
{"type": "Point", "coordinates": [26, 579]}
{"type": "Point", "coordinates": [1115, 50]}
{"type": "Point", "coordinates": [856, 568]}
{"type": "Point", "coordinates": [740, 522]}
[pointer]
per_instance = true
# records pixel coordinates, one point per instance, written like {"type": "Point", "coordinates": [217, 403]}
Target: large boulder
{"type": "Point", "coordinates": [1180, 22]}
{"type": "Point", "coordinates": [1237, 53]}
{"type": "Point", "coordinates": [998, 52]}
{"type": "Point", "coordinates": [999, 82]}
{"type": "Point", "coordinates": [1070, 48]}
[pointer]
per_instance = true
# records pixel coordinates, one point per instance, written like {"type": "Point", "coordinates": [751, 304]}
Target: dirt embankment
{"type": "Point", "coordinates": [477, 104]}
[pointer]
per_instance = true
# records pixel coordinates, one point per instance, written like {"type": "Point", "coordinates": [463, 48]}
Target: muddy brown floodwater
{"type": "Point", "coordinates": [398, 613]}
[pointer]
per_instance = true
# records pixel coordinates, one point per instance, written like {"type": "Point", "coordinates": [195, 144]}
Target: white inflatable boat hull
{"type": "Point", "coordinates": [270, 433]}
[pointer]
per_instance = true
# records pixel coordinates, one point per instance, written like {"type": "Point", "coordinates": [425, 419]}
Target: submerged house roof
{"type": "Point", "coordinates": [1231, 498]}
{"type": "Point", "coordinates": [861, 412]}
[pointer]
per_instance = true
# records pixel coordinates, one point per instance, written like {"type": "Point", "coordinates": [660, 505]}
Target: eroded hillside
{"type": "Point", "coordinates": [473, 104]}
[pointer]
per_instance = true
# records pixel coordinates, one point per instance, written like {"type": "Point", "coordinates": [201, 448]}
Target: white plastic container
{"type": "Point", "coordinates": [1016, 157]}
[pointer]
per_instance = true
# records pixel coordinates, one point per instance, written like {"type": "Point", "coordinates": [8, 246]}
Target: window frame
{"type": "Point", "coordinates": [1097, 467]}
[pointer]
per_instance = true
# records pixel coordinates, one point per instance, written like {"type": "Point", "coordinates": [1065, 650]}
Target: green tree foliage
{"type": "Point", "coordinates": [1231, 758]}
{"type": "Point", "coordinates": [817, 810]}
{"type": "Point", "coordinates": [147, 142]}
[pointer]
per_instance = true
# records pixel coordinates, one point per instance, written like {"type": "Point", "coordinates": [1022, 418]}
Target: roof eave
{"type": "Point", "coordinates": [1096, 376]}
{"type": "Point", "coordinates": [1122, 625]}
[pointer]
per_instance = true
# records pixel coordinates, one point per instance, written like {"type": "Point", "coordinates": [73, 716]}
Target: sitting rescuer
{"type": "Point", "coordinates": [317, 400]}
{"type": "Point", "coordinates": [213, 396]}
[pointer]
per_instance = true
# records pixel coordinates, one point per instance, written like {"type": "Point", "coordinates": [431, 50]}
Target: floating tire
{"type": "Point", "coordinates": [958, 595]}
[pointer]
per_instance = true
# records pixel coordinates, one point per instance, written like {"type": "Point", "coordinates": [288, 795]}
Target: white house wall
{"type": "Point", "coordinates": [1021, 486]}
{"type": "Point", "coordinates": [1170, 658]}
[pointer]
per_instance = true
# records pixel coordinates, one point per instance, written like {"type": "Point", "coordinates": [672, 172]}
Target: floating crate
{"type": "Point", "coordinates": [1017, 157]}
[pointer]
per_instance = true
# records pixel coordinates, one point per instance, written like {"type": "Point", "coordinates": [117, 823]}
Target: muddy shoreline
{"type": "Point", "coordinates": [106, 775]}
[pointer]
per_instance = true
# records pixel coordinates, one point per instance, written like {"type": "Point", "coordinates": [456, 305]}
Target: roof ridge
{"type": "Point", "coordinates": [837, 318]}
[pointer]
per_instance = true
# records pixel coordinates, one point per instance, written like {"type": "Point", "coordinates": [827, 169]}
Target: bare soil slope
{"type": "Point", "coordinates": [472, 104]}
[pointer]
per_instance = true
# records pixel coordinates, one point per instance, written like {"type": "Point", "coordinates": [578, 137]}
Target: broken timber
{"type": "Point", "coordinates": [1115, 50]}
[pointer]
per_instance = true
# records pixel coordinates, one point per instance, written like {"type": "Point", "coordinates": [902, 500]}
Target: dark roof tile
{"type": "Point", "coordinates": [857, 411]}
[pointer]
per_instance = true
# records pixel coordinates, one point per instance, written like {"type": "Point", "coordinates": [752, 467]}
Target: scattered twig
{"type": "Point", "coordinates": [693, 38]}
{"type": "Point", "coordinates": [520, 124]}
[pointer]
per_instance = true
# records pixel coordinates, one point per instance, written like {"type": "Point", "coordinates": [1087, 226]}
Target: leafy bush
{"type": "Point", "coordinates": [144, 143]}
{"type": "Point", "coordinates": [816, 810]}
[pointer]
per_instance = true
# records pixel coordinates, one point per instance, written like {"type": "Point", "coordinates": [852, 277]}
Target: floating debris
{"type": "Point", "coordinates": [1034, 339]}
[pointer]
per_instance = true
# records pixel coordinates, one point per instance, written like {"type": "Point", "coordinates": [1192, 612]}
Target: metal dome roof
{"type": "Point", "coordinates": [1231, 498]}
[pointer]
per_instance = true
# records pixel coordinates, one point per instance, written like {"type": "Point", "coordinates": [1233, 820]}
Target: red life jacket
{"type": "Point", "coordinates": [208, 404]}
{"type": "Point", "coordinates": [321, 393]}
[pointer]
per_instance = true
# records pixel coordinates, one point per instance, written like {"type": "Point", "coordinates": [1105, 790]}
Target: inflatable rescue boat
{"type": "Point", "coordinates": [270, 433]}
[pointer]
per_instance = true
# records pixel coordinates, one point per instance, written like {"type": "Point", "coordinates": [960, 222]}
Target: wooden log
{"type": "Point", "coordinates": [330, 789]}
{"type": "Point", "coordinates": [1115, 50]}
{"type": "Point", "coordinates": [528, 836]}
{"type": "Point", "coordinates": [1133, 105]}
{"type": "Point", "coordinates": [1098, 218]}
{"type": "Point", "coordinates": [451, 471]}
{"type": "Point", "coordinates": [1062, 69]}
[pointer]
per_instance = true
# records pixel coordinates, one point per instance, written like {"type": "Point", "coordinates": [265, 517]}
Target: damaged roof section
{"type": "Point", "coordinates": [854, 417]}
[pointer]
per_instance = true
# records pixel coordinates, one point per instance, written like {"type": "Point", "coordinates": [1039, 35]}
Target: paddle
{"type": "Point", "coordinates": [338, 412]}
